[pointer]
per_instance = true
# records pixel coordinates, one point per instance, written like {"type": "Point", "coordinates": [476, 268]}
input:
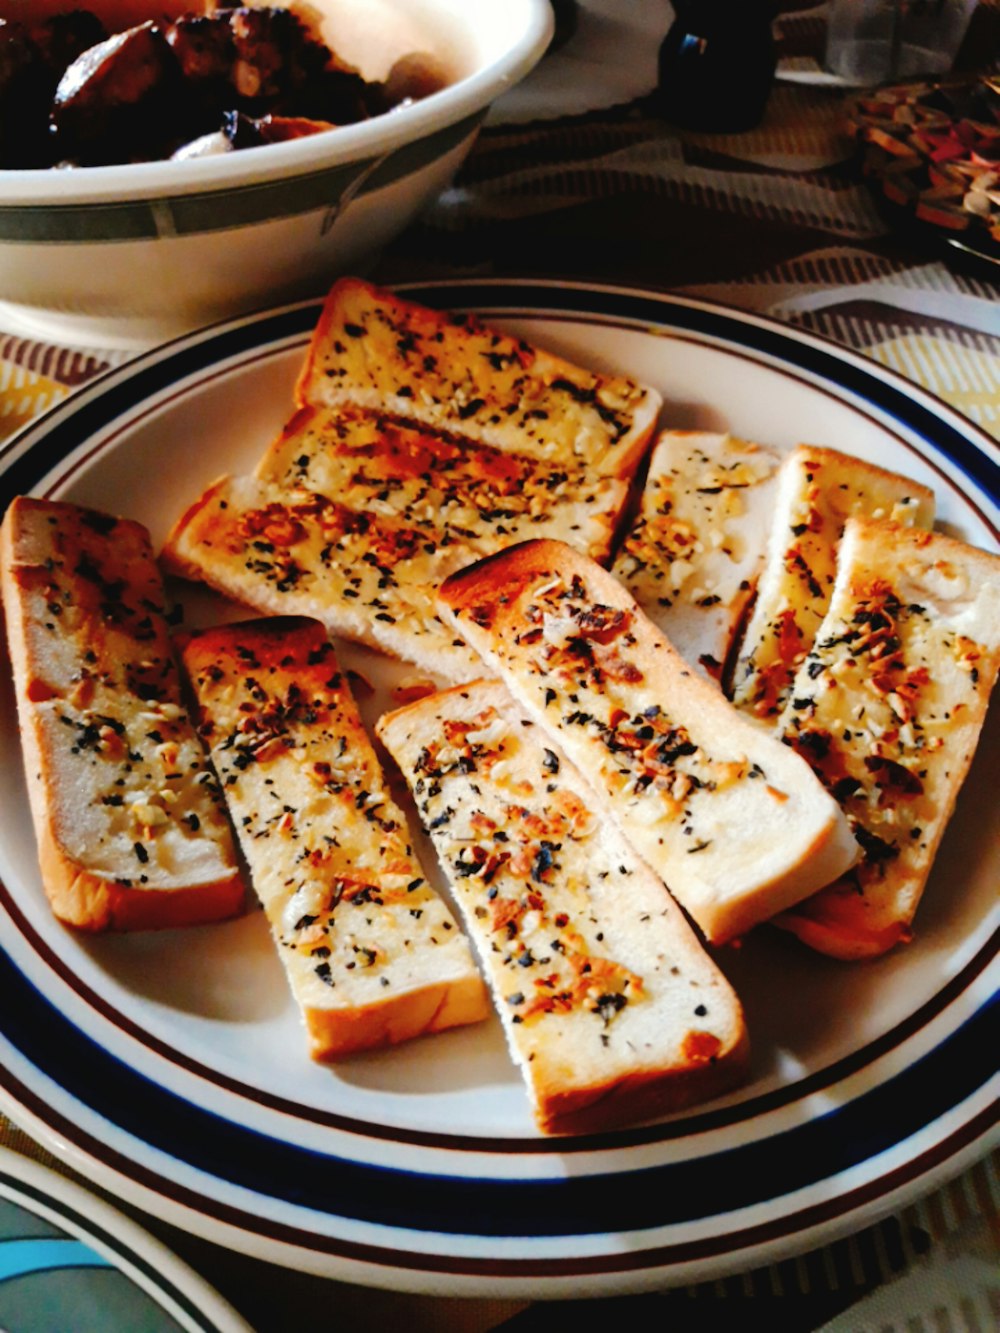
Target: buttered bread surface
{"type": "Point", "coordinates": [374, 349]}
{"type": "Point", "coordinates": [887, 709]}
{"type": "Point", "coordinates": [610, 1006]}
{"type": "Point", "coordinates": [445, 486]}
{"type": "Point", "coordinates": [692, 557]}
{"type": "Point", "coordinates": [818, 490]}
{"type": "Point", "coordinates": [131, 830]}
{"type": "Point", "coordinates": [372, 954]}
{"type": "Point", "coordinates": [734, 821]}
{"type": "Point", "coordinates": [295, 552]}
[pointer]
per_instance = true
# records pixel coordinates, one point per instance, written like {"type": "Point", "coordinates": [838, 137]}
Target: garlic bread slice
{"type": "Point", "coordinates": [818, 490]}
{"type": "Point", "coordinates": [372, 954]}
{"type": "Point", "coordinates": [132, 833]}
{"type": "Point", "coordinates": [887, 709]}
{"type": "Point", "coordinates": [376, 350]}
{"type": "Point", "coordinates": [692, 557]}
{"type": "Point", "coordinates": [612, 1010]}
{"type": "Point", "coordinates": [734, 822]}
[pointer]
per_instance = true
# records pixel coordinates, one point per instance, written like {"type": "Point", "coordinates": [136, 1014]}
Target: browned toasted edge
{"type": "Point", "coordinates": [823, 453]}
{"type": "Point", "coordinates": [522, 562]}
{"type": "Point", "coordinates": [171, 560]}
{"type": "Point", "coordinates": [301, 416]}
{"type": "Point", "coordinates": [320, 334]}
{"type": "Point", "coordinates": [459, 589]}
{"type": "Point", "coordinates": [421, 1012]}
{"type": "Point", "coordinates": [825, 937]}
{"type": "Point", "coordinates": [647, 1094]}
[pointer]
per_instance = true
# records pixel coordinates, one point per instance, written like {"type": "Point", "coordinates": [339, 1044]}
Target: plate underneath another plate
{"type": "Point", "coordinates": [70, 1261]}
{"type": "Point", "coordinates": [171, 1067]}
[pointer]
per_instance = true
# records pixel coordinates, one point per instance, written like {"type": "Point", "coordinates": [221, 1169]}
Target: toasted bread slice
{"type": "Point", "coordinates": [692, 557]}
{"type": "Point", "coordinates": [612, 1010]}
{"type": "Point", "coordinates": [736, 824]}
{"type": "Point", "coordinates": [372, 954]}
{"type": "Point", "coordinates": [131, 831]}
{"type": "Point", "coordinates": [375, 350]}
{"type": "Point", "coordinates": [887, 709]}
{"type": "Point", "coordinates": [298, 552]}
{"type": "Point", "coordinates": [818, 490]}
{"type": "Point", "coordinates": [439, 483]}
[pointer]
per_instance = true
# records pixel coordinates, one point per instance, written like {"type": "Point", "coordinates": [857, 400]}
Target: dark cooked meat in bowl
{"type": "Point", "coordinates": [73, 94]}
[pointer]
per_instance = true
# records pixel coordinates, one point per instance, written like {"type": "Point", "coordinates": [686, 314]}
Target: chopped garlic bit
{"type": "Point", "coordinates": [646, 812]}
{"type": "Point", "coordinates": [311, 899]}
{"type": "Point", "coordinates": [546, 588]}
{"type": "Point", "coordinates": [491, 734]}
{"type": "Point", "coordinates": [680, 570]}
{"type": "Point", "coordinates": [559, 630]}
{"type": "Point", "coordinates": [147, 814]}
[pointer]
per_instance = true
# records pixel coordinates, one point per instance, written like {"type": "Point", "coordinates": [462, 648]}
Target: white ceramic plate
{"type": "Point", "coordinates": [69, 1260]}
{"type": "Point", "coordinates": [171, 1067]}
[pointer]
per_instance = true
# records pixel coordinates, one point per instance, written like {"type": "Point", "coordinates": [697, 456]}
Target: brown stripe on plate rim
{"type": "Point", "coordinates": [657, 1133]}
{"type": "Point", "coordinates": [891, 1187]}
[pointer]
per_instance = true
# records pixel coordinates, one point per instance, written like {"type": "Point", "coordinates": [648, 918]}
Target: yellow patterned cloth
{"type": "Point", "coordinates": [23, 395]}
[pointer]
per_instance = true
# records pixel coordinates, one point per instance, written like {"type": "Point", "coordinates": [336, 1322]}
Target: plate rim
{"type": "Point", "coordinates": [983, 446]}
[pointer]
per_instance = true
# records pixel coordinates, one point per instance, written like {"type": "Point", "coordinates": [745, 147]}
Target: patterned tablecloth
{"type": "Point", "coordinates": [774, 221]}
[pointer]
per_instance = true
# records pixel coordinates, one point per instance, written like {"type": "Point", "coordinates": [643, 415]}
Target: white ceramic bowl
{"type": "Point", "coordinates": [122, 255]}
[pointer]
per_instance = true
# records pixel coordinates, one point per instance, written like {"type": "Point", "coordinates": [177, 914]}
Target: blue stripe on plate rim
{"type": "Point", "coordinates": [22, 1191]}
{"type": "Point", "coordinates": [692, 1123]}
{"type": "Point", "coordinates": [881, 1117]}
{"type": "Point", "coordinates": [846, 374]}
{"type": "Point", "coordinates": [872, 1123]}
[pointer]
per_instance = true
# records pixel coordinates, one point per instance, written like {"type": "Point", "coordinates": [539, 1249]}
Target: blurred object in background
{"type": "Point", "coordinates": [931, 152]}
{"type": "Point", "coordinates": [717, 64]}
{"type": "Point", "coordinates": [603, 54]}
{"type": "Point", "coordinates": [873, 41]}
{"type": "Point", "coordinates": [566, 14]}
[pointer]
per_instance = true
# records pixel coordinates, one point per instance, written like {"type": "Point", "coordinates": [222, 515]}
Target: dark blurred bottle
{"type": "Point", "coordinates": [566, 14]}
{"type": "Point", "coordinates": [717, 64]}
